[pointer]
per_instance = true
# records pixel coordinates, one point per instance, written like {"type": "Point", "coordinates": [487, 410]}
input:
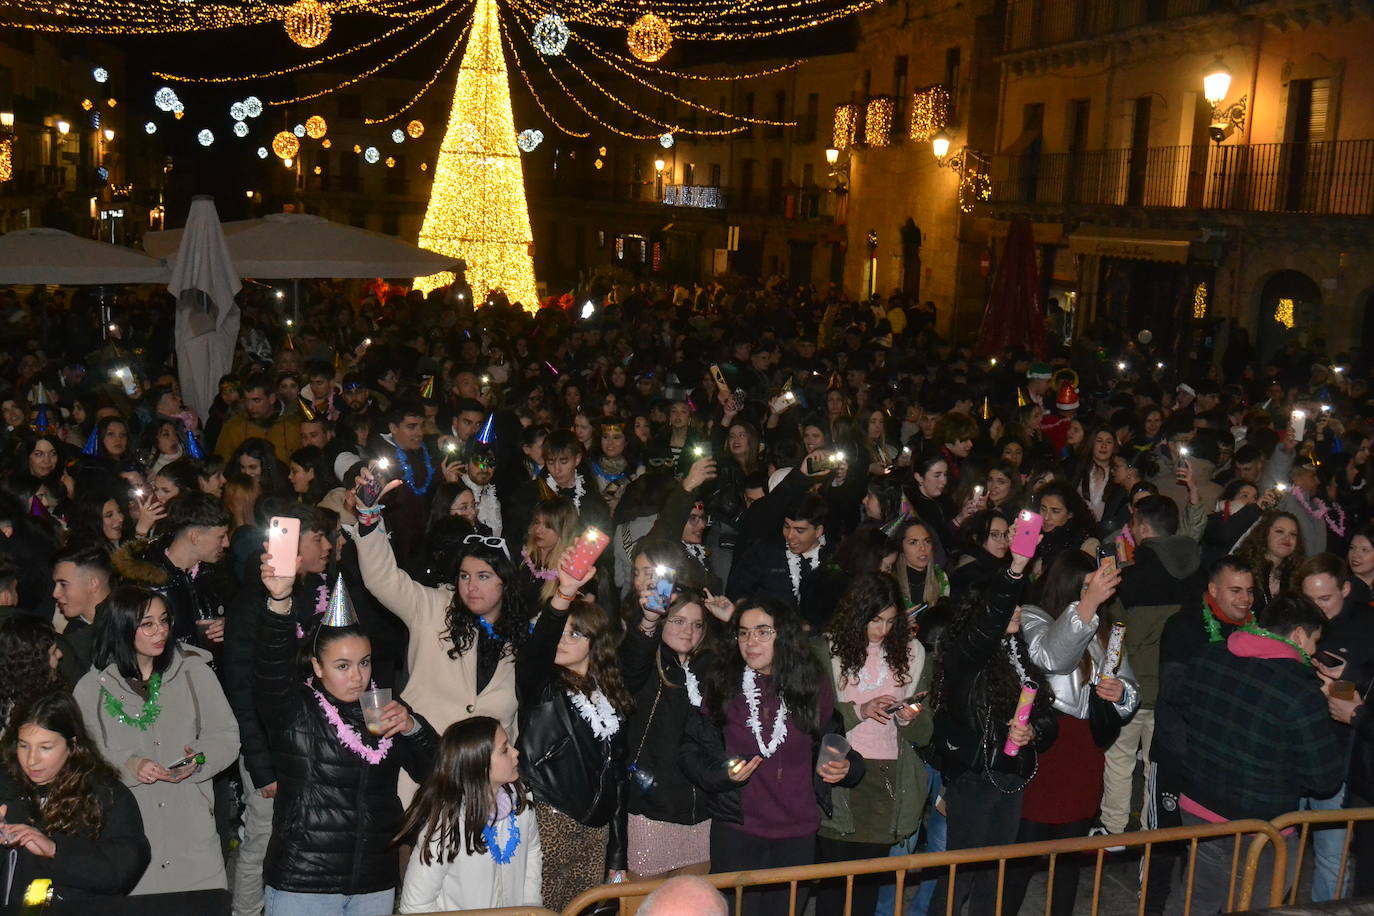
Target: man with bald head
{"type": "Point", "coordinates": [685, 895]}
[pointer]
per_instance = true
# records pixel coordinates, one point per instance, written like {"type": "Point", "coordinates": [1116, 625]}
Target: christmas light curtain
{"type": "Point", "coordinates": [477, 209]}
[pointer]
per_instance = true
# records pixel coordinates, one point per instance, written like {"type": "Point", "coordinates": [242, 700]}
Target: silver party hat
{"type": "Point", "coordinates": [340, 611]}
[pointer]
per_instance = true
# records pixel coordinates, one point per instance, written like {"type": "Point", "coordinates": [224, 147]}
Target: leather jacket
{"type": "Point", "coordinates": [565, 765]}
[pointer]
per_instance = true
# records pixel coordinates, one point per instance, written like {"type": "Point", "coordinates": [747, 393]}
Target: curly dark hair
{"type": "Point", "coordinates": [513, 625]}
{"type": "Point", "coordinates": [1255, 547]}
{"type": "Point", "coordinates": [73, 805]}
{"type": "Point", "coordinates": [26, 644]}
{"type": "Point", "coordinates": [796, 672]}
{"type": "Point", "coordinates": [998, 685]}
{"type": "Point", "coordinates": [868, 596]}
{"type": "Point", "coordinates": [603, 672]}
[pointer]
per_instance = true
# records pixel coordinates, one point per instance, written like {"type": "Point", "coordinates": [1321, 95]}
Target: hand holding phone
{"type": "Point", "coordinates": [283, 543]}
{"type": "Point", "coordinates": [195, 758]}
{"type": "Point", "coordinates": [1026, 536]}
{"type": "Point", "coordinates": [719, 378]}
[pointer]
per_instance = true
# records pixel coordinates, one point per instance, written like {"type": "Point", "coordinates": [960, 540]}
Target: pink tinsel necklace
{"type": "Point", "coordinates": [348, 735]}
{"type": "Point", "coordinates": [1336, 521]}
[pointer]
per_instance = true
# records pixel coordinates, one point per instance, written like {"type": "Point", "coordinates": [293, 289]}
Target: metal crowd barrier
{"type": "Point", "coordinates": [1180, 841]}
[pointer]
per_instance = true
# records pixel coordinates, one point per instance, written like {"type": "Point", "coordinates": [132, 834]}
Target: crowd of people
{"type": "Point", "coordinates": [858, 593]}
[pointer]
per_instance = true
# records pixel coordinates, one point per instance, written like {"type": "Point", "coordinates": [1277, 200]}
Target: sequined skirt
{"type": "Point", "coordinates": [656, 847]}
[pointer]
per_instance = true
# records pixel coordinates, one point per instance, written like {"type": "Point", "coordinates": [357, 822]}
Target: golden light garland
{"type": "Point", "coordinates": [1283, 314]}
{"type": "Point", "coordinates": [1200, 301]}
{"type": "Point", "coordinates": [477, 209]}
{"type": "Point", "coordinates": [286, 145]}
{"type": "Point", "coordinates": [975, 187]}
{"type": "Point", "coordinates": [649, 38]}
{"type": "Point", "coordinates": [878, 120]}
{"type": "Point", "coordinates": [6, 158]}
{"type": "Point", "coordinates": [316, 127]}
{"type": "Point", "coordinates": [929, 113]}
{"type": "Point", "coordinates": [307, 23]}
{"type": "Point", "coordinates": [428, 84]}
{"type": "Point", "coordinates": [529, 84]}
{"type": "Point", "coordinates": [846, 120]}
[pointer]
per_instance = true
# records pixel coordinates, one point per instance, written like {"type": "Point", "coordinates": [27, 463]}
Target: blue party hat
{"type": "Point", "coordinates": [488, 431]}
{"type": "Point", "coordinates": [193, 449]}
{"type": "Point", "coordinates": [92, 446]}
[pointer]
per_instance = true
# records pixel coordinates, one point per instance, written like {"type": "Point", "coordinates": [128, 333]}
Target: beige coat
{"type": "Point", "coordinates": [442, 689]}
{"type": "Point", "coordinates": [178, 818]}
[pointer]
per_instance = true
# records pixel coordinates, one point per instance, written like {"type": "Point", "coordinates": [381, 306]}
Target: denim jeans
{"type": "Point", "coordinates": [929, 838]}
{"type": "Point", "coordinates": [287, 903]}
{"type": "Point", "coordinates": [1327, 846]}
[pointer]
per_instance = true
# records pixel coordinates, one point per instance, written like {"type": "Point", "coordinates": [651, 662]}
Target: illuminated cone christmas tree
{"type": "Point", "coordinates": [477, 208]}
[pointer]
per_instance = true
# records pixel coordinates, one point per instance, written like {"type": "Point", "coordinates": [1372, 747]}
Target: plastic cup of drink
{"type": "Point", "coordinates": [374, 701]}
{"type": "Point", "coordinates": [834, 748]}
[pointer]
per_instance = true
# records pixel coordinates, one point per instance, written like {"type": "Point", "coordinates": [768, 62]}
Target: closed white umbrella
{"type": "Point", "coordinates": [204, 283]}
{"type": "Point", "coordinates": [43, 256]}
{"type": "Point", "coordinates": [288, 246]}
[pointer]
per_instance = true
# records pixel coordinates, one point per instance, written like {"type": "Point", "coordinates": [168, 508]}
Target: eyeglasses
{"type": "Point", "coordinates": [573, 635]}
{"type": "Point", "coordinates": [498, 543]}
{"type": "Point", "coordinates": [999, 535]}
{"type": "Point", "coordinates": [755, 634]}
{"type": "Point", "coordinates": [695, 625]}
{"type": "Point", "coordinates": [153, 626]}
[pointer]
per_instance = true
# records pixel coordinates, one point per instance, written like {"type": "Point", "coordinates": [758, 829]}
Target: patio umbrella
{"type": "Point", "coordinates": [204, 283]}
{"type": "Point", "coordinates": [287, 246]}
{"type": "Point", "coordinates": [42, 256]}
{"type": "Point", "coordinates": [1014, 316]}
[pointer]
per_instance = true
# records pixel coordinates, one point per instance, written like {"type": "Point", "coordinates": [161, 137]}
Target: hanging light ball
{"type": "Point", "coordinates": [253, 105]}
{"type": "Point", "coordinates": [416, 129]}
{"type": "Point", "coordinates": [326, 143]}
{"type": "Point", "coordinates": [100, 75]}
{"type": "Point", "coordinates": [391, 162]}
{"type": "Point", "coordinates": [262, 152]}
{"type": "Point", "coordinates": [424, 166]}
{"type": "Point", "coordinates": [285, 145]}
{"type": "Point", "coordinates": [205, 138]}
{"type": "Point", "coordinates": [528, 139]}
{"type": "Point", "coordinates": [357, 149]}
{"type": "Point", "coordinates": [178, 110]}
{"type": "Point", "coordinates": [240, 129]}
{"type": "Point", "coordinates": [150, 128]}
{"type": "Point", "coordinates": [238, 111]}
{"type": "Point", "coordinates": [649, 38]}
{"type": "Point", "coordinates": [298, 130]}
{"type": "Point", "coordinates": [550, 34]}
{"type": "Point", "coordinates": [165, 99]}
{"type": "Point", "coordinates": [372, 155]}
{"type": "Point", "coordinates": [598, 164]}
{"type": "Point", "coordinates": [307, 23]}
{"type": "Point", "coordinates": [666, 141]}
{"type": "Point", "coordinates": [316, 127]}
{"type": "Point", "coordinates": [398, 136]}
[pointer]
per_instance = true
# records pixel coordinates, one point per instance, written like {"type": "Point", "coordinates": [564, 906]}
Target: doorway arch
{"type": "Point", "coordinates": [1290, 303]}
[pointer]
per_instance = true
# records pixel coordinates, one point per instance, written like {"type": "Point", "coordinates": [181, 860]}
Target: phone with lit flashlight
{"type": "Point", "coordinates": [1027, 536]}
{"type": "Point", "coordinates": [283, 543]}
{"type": "Point", "coordinates": [912, 703]}
{"type": "Point", "coordinates": [818, 463]}
{"type": "Point", "coordinates": [662, 591]}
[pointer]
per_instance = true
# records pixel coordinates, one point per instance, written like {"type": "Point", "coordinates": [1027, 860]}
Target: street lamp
{"type": "Point", "coordinates": [1226, 119]}
{"type": "Point", "coordinates": [940, 145]}
{"type": "Point", "coordinates": [659, 165]}
{"type": "Point", "coordinates": [832, 155]}
{"type": "Point", "coordinates": [109, 134]}
{"type": "Point", "coordinates": [1216, 83]}
{"type": "Point", "coordinates": [63, 128]}
{"type": "Point", "coordinates": [7, 120]}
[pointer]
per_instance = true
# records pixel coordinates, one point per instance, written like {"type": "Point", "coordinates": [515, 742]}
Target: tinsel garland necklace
{"type": "Point", "coordinates": [502, 856]}
{"type": "Point", "coordinates": [750, 689]}
{"type": "Point", "coordinates": [1336, 523]}
{"type": "Point", "coordinates": [1255, 629]}
{"type": "Point", "coordinates": [408, 473]}
{"type": "Point", "coordinates": [151, 709]}
{"type": "Point", "coordinates": [348, 735]}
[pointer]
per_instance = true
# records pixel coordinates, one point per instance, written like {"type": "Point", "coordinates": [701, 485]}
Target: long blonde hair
{"type": "Point", "coordinates": [560, 515]}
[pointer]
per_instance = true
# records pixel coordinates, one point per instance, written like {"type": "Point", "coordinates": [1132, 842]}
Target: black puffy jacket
{"type": "Point", "coordinates": [565, 765]}
{"type": "Point", "coordinates": [335, 814]}
{"type": "Point", "coordinates": [655, 730]}
{"type": "Point", "coordinates": [964, 729]}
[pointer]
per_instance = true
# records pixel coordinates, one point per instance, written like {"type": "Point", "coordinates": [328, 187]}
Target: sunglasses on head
{"type": "Point", "coordinates": [498, 543]}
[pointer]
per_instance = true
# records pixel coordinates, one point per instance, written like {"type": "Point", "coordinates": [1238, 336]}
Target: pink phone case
{"type": "Point", "coordinates": [584, 552]}
{"type": "Point", "coordinates": [283, 543]}
{"type": "Point", "coordinates": [1028, 525]}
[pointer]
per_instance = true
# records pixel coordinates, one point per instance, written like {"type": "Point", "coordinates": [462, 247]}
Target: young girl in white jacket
{"type": "Point", "coordinates": [476, 842]}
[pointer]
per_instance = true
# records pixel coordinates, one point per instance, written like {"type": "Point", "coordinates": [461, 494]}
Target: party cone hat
{"type": "Point", "coordinates": [40, 395]}
{"type": "Point", "coordinates": [307, 411]}
{"type": "Point", "coordinates": [339, 612]}
{"type": "Point", "coordinates": [894, 527]}
{"type": "Point", "coordinates": [488, 431]}
{"type": "Point", "coordinates": [287, 343]}
{"type": "Point", "coordinates": [1021, 399]}
{"type": "Point", "coordinates": [193, 449]}
{"type": "Point", "coordinates": [92, 446]}
{"type": "Point", "coordinates": [835, 383]}
{"type": "Point", "coordinates": [41, 423]}
{"type": "Point", "coordinates": [546, 492]}
{"type": "Point", "coordinates": [986, 412]}
{"type": "Point", "coordinates": [427, 388]}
